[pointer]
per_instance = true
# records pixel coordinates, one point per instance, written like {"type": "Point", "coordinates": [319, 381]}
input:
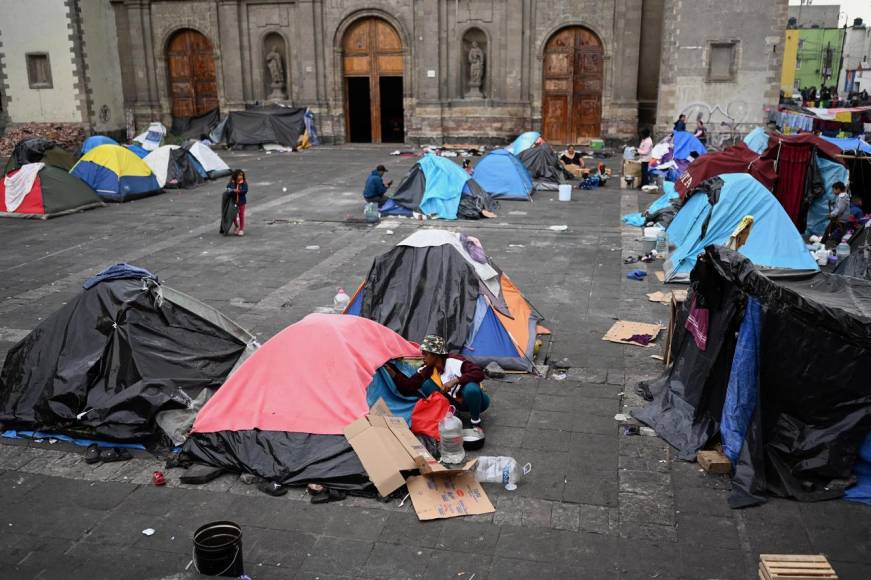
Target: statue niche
{"type": "Point", "coordinates": [474, 63]}
{"type": "Point", "coordinates": [274, 61]}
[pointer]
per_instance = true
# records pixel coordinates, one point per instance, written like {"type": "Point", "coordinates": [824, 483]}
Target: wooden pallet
{"type": "Point", "coordinates": [795, 567]}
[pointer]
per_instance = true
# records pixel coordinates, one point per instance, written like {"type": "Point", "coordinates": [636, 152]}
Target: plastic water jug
{"type": "Point", "coordinates": [341, 300]}
{"type": "Point", "coordinates": [629, 153]}
{"type": "Point", "coordinates": [451, 439]}
{"type": "Point", "coordinates": [843, 251]}
{"type": "Point", "coordinates": [502, 470]}
{"type": "Point", "coordinates": [661, 243]}
{"type": "Point", "coordinates": [371, 213]}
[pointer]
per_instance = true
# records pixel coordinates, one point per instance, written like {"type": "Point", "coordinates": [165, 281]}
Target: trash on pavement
{"type": "Point", "coordinates": [628, 332]}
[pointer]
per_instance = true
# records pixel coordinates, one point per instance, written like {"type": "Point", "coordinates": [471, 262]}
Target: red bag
{"type": "Point", "coordinates": [427, 414]}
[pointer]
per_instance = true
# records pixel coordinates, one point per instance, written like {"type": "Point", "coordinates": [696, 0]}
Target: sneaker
{"type": "Point", "coordinates": [240, 233]}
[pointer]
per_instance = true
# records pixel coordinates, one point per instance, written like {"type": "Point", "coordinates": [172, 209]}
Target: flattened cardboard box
{"type": "Point", "coordinates": [448, 497]}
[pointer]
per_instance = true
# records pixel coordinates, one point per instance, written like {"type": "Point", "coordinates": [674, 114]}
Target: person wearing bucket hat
{"type": "Point", "coordinates": [449, 373]}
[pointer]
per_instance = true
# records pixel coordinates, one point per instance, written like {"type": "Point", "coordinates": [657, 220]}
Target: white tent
{"type": "Point", "coordinates": [174, 167]}
{"type": "Point", "coordinates": [213, 165]}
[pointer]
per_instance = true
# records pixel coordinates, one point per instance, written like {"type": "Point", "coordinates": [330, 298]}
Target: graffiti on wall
{"type": "Point", "coordinates": [723, 124]}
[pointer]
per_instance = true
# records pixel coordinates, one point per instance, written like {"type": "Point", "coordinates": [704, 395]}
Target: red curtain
{"type": "Point", "coordinates": [792, 167]}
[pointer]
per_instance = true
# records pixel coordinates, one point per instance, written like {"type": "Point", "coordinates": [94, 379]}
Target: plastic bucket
{"type": "Point", "coordinates": [565, 192]}
{"type": "Point", "coordinates": [218, 550]}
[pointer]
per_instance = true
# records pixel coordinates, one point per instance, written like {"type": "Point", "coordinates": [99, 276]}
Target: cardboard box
{"type": "Point", "coordinates": [448, 497]}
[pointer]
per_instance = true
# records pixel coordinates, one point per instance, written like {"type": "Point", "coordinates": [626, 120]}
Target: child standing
{"type": "Point", "coordinates": [238, 188]}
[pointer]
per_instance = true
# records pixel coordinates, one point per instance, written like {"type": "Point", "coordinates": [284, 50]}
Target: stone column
{"type": "Point", "coordinates": [231, 53]}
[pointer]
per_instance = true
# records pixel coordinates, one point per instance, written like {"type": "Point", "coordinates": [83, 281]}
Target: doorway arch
{"type": "Point", "coordinates": [373, 65]}
{"type": "Point", "coordinates": [193, 84]}
{"type": "Point", "coordinates": [572, 92]}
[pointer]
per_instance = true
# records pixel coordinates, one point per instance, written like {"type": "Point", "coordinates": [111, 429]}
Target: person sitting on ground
{"type": "Point", "coordinates": [375, 186]}
{"type": "Point", "coordinates": [455, 377]}
{"type": "Point", "coordinates": [467, 166]}
{"type": "Point", "coordinates": [856, 211]}
{"type": "Point", "coordinates": [840, 213]}
{"type": "Point", "coordinates": [572, 161]}
{"type": "Point", "coordinates": [681, 123]}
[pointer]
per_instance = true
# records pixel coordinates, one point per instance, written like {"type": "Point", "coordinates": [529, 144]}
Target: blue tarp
{"type": "Point", "coordinates": [773, 242]}
{"type": "Point", "coordinates": [854, 144]}
{"type": "Point", "coordinates": [742, 393]}
{"type": "Point", "coordinates": [818, 212]}
{"type": "Point", "coordinates": [685, 143]}
{"type": "Point", "coordinates": [445, 181]}
{"type": "Point", "coordinates": [861, 492]}
{"type": "Point", "coordinates": [757, 140]}
{"type": "Point", "coordinates": [523, 142]}
{"type": "Point", "coordinates": [119, 271]}
{"type": "Point", "coordinates": [637, 218]}
{"type": "Point", "coordinates": [383, 387]}
{"type": "Point", "coordinates": [503, 176]}
{"type": "Point", "coordinates": [81, 442]}
{"type": "Point", "coordinates": [96, 141]}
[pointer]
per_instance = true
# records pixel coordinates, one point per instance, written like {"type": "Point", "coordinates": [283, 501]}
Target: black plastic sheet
{"type": "Point", "coordinates": [261, 125]}
{"type": "Point", "coordinates": [544, 165]}
{"type": "Point", "coordinates": [420, 291]}
{"type": "Point", "coordinates": [109, 360]}
{"type": "Point", "coordinates": [195, 127]}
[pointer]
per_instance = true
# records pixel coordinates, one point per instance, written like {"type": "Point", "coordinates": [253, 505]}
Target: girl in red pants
{"type": "Point", "coordinates": [239, 188]}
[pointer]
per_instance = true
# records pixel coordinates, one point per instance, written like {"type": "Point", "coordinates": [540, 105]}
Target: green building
{"type": "Point", "coordinates": [818, 58]}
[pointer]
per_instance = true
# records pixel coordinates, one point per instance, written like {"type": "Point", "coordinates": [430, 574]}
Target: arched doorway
{"type": "Point", "coordinates": [572, 97]}
{"type": "Point", "coordinates": [373, 66]}
{"type": "Point", "coordinates": [193, 85]}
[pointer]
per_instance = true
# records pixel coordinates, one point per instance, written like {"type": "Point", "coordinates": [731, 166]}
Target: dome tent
{"type": "Point", "coordinates": [503, 176]}
{"type": "Point", "coordinates": [116, 173]}
{"type": "Point", "coordinates": [50, 192]}
{"type": "Point", "coordinates": [174, 166]}
{"type": "Point", "coordinates": [96, 141]}
{"type": "Point", "coordinates": [39, 150]}
{"type": "Point", "coordinates": [211, 163]}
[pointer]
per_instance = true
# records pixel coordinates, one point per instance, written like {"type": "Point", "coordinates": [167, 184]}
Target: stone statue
{"type": "Point", "coordinates": [476, 71]}
{"type": "Point", "coordinates": [276, 72]}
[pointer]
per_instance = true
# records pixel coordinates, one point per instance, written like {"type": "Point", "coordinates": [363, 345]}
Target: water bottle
{"type": "Point", "coordinates": [451, 439]}
{"type": "Point", "coordinates": [341, 300]}
{"type": "Point", "coordinates": [662, 243]}
{"type": "Point", "coordinates": [502, 470]}
{"type": "Point", "coordinates": [371, 213]}
{"type": "Point", "coordinates": [843, 251]}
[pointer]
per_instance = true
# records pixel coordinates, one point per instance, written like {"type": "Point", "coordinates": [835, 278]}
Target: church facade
{"type": "Point", "coordinates": [422, 71]}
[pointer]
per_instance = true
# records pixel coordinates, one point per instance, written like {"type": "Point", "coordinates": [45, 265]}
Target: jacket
{"type": "Point", "coordinates": [242, 193]}
{"type": "Point", "coordinates": [374, 186]}
{"type": "Point", "coordinates": [408, 386]}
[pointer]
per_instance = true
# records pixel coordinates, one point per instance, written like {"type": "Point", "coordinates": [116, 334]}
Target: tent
{"type": "Point", "coordinates": [175, 167]}
{"type": "Point", "coordinates": [503, 176]}
{"type": "Point", "coordinates": [138, 149]}
{"type": "Point", "coordinates": [436, 186]}
{"type": "Point", "coordinates": [432, 283]}
{"type": "Point", "coordinates": [781, 381]}
{"type": "Point", "coordinates": [735, 159]}
{"type": "Point", "coordinates": [211, 163]}
{"type": "Point", "coordinates": [96, 141]}
{"type": "Point", "coordinates": [111, 360]}
{"type": "Point", "coordinates": [116, 173]}
{"type": "Point", "coordinates": [282, 413]}
{"type": "Point", "coordinates": [39, 150]}
{"type": "Point", "coordinates": [195, 127]}
{"type": "Point", "coordinates": [671, 156]}
{"type": "Point", "coordinates": [48, 192]}
{"type": "Point", "coordinates": [858, 263]}
{"type": "Point", "coordinates": [263, 125]}
{"type": "Point", "coordinates": [713, 211]}
{"type": "Point", "coordinates": [661, 211]}
{"type": "Point", "coordinates": [523, 142]}
{"type": "Point", "coordinates": [544, 167]}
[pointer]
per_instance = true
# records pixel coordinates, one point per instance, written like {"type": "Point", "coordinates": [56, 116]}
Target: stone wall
{"type": "Point", "coordinates": [692, 31]}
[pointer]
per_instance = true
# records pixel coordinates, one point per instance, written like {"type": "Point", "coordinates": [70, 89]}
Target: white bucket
{"type": "Point", "coordinates": [565, 192]}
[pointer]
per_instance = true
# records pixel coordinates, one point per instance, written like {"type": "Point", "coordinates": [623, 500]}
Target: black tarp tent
{"type": "Point", "coordinates": [544, 167]}
{"type": "Point", "coordinates": [109, 361]}
{"type": "Point", "coordinates": [260, 125]}
{"type": "Point", "coordinates": [782, 380]}
{"type": "Point", "coordinates": [39, 150]}
{"type": "Point", "coordinates": [858, 263]}
{"type": "Point", "coordinates": [195, 127]}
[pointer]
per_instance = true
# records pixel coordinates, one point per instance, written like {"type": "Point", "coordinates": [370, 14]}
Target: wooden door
{"type": "Point", "coordinates": [572, 92]}
{"type": "Point", "coordinates": [371, 48]}
{"type": "Point", "coordinates": [193, 83]}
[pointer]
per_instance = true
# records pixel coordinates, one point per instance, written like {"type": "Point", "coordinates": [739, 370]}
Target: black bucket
{"type": "Point", "coordinates": [218, 550]}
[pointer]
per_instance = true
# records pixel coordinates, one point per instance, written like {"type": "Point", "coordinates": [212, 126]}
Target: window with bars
{"type": "Point", "coordinates": [38, 70]}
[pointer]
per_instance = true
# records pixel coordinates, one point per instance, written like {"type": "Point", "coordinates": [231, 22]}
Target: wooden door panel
{"type": "Point", "coordinates": [192, 74]}
{"type": "Point", "coordinates": [555, 118]}
{"type": "Point", "coordinates": [572, 95]}
{"type": "Point", "coordinates": [386, 37]}
{"type": "Point", "coordinates": [390, 65]}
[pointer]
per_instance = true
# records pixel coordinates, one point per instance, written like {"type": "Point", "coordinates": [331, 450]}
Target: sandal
{"type": "Point", "coordinates": [111, 455]}
{"type": "Point", "coordinates": [328, 495]}
{"type": "Point", "coordinates": [92, 454]}
{"type": "Point", "coordinates": [272, 488]}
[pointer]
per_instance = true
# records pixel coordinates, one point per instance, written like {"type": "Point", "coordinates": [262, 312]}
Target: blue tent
{"type": "Point", "coordinates": [773, 242]}
{"type": "Point", "coordinates": [434, 186]}
{"type": "Point", "coordinates": [757, 140]}
{"type": "Point", "coordinates": [853, 144]}
{"type": "Point", "coordinates": [523, 142]}
{"type": "Point", "coordinates": [685, 143]}
{"type": "Point", "coordinates": [503, 176]}
{"type": "Point", "coordinates": [638, 219]}
{"type": "Point", "coordinates": [96, 141]}
{"type": "Point", "coordinates": [818, 213]}
{"type": "Point", "coordinates": [138, 149]}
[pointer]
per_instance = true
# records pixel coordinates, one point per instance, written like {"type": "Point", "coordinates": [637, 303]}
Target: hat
{"type": "Point", "coordinates": [381, 168]}
{"type": "Point", "coordinates": [433, 344]}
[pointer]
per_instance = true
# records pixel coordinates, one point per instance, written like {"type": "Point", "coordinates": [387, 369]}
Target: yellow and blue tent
{"type": "Point", "coordinates": [116, 173]}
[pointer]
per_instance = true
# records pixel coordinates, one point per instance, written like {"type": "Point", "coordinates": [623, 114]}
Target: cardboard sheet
{"type": "Point", "coordinates": [623, 329]}
{"type": "Point", "coordinates": [666, 297]}
{"type": "Point", "coordinates": [448, 497]}
{"type": "Point", "coordinates": [660, 275]}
